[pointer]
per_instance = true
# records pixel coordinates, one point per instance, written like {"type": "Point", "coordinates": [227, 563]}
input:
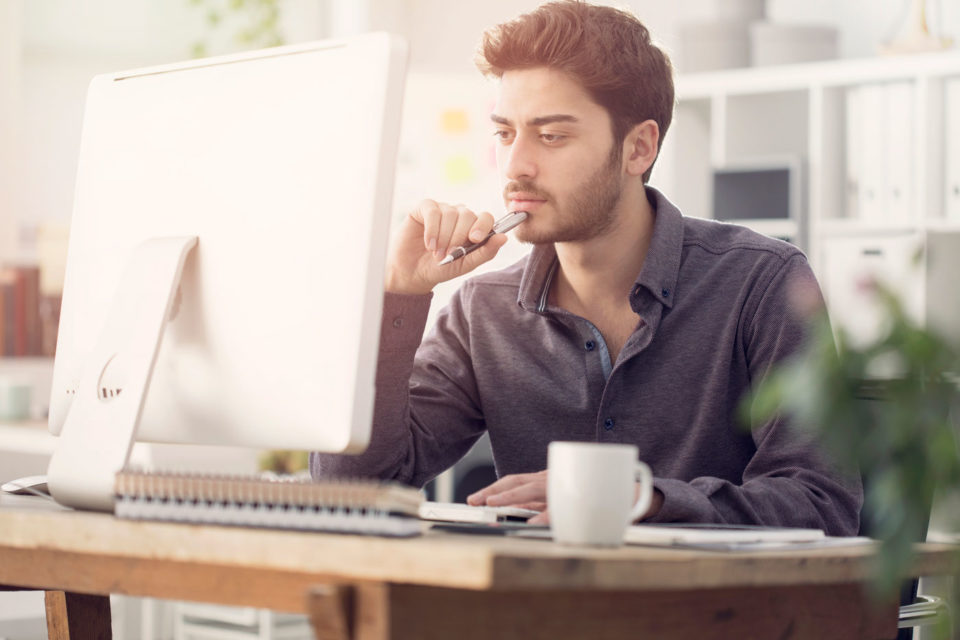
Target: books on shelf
{"type": "Point", "coordinates": [345, 506]}
{"type": "Point", "coordinates": [28, 319]}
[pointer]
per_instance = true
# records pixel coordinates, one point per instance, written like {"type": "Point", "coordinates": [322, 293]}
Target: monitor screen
{"type": "Point", "coordinates": [754, 193]}
{"type": "Point", "coordinates": [280, 163]}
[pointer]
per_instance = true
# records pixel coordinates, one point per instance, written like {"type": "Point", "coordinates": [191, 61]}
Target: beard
{"type": "Point", "coordinates": [590, 212]}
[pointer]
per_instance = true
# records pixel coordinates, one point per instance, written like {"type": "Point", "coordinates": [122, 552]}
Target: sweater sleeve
{"type": "Point", "coordinates": [426, 414]}
{"type": "Point", "coordinates": [789, 481]}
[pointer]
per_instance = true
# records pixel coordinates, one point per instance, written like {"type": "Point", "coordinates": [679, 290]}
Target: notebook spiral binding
{"type": "Point", "coordinates": [343, 506]}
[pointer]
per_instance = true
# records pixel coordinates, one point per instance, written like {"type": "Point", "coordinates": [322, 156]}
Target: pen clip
{"type": "Point", "coordinates": [509, 221]}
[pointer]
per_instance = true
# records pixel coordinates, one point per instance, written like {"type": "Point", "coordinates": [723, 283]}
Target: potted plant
{"type": "Point", "coordinates": [885, 409]}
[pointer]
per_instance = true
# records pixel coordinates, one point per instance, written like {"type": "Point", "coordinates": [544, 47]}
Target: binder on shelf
{"type": "Point", "coordinates": [340, 506]}
{"type": "Point", "coordinates": [871, 203]}
{"type": "Point", "coordinates": [898, 157]}
{"type": "Point", "coordinates": [880, 134]}
{"type": "Point", "coordinates": [952, 148]}
{"type": "Point", "coordinates": [853, 152]}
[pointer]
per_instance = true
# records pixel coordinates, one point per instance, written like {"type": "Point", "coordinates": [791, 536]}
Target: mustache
{"type": "Point", "coordinates": [525, 187]}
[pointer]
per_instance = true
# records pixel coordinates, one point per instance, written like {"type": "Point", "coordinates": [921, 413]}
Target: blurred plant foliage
{"type": "Point", "coordinates": [248, 24]}
{"type": "Point", "coordinates": [897, 431]}
{"type": "Point", "coordinates": [285, 462]}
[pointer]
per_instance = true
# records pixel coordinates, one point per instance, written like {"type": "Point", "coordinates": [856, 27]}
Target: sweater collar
{"type": "Point", "coordinates": [658, 275]}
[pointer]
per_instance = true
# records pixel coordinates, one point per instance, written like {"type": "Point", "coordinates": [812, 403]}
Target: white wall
{"type": "Point", "coordinates": [10, 112]}
{"type": "Point", "coordinates": [65, 42]}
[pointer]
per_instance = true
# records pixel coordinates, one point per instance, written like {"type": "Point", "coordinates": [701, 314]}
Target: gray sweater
{"type": "Point", "coordinates": [714, 314]}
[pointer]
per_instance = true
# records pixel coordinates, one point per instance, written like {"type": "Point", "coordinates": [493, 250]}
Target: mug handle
{"type": "Point", "coordinates": [642, 473]}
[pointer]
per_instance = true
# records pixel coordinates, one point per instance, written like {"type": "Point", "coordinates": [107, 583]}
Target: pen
{"type": "Point", "coordinates": [502, 225]}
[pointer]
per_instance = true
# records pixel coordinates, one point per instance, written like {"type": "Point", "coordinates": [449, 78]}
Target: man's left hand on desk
{"type": "Point", "coordinates": [529, 491]}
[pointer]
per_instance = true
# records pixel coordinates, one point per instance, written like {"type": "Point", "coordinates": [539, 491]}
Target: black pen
{"type": "Point", "coordinates": [502, 225]}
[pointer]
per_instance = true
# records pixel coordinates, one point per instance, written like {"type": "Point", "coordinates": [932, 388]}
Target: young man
{"type": "Point", "coordinates": [626, 323]}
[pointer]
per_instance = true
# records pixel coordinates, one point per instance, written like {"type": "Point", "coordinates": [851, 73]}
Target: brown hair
{"type": "Point", "coordinates": [607, 50]}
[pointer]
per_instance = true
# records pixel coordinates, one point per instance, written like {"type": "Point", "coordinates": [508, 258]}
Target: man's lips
{"type": "Point", "coordinates": [524, 201]}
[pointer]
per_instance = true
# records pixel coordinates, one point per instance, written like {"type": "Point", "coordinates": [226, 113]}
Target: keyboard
{"type": "Point", "coordinates": [459, 512]}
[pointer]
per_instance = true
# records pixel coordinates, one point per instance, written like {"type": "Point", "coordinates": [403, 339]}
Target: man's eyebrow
{"type": "Point", "coordinates": [538, 121]}
{"type": "Point", "coordinates": [551, 119]}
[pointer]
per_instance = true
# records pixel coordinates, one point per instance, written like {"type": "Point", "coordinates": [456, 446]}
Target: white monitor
{"type": "Point", "coordinates": [234, 211]}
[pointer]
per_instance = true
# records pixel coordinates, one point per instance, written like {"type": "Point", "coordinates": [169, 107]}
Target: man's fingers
{"type": "Point", "coordinates": [481, 227]}
{"type": "Point", "coordinates": [503, 484]}
{"type": "Point", "coordinates": [533, 506]}
{"type": "Point", "coordinates": [465, 222]}
{"type": "Point", "coordinates": [484, 254]}
{"type": "Point", "coordinates": [541, 518]}
{"type": "Point", "coordinates": [448, 223]}
{"type": "Point", "coordinates": [428, 214]}
{"type": "Point", "coordinates": [535, 491]}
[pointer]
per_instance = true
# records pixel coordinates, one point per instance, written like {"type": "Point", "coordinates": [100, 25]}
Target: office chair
{"type": "Point", "coordinates": [916, 610]}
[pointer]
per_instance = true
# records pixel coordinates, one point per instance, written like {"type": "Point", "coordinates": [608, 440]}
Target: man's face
{"type": "Point", "coordinates": [556, 157]}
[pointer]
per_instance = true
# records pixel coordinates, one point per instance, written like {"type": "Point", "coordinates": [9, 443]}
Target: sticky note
{"type": "Point", "coordinates": [454, 121]}
{"type": "Point", "coordinates": [458, 169]}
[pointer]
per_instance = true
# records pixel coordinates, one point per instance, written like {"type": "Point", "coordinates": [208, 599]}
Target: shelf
{"type": "Point", "coordinates": [29, 437]}
{"type": "Point", "coordinates": [876, 143]}
{"type": "Point", "coordinates": [855, 226]}
{"type": "Point", "coordinates": [774, 228]}
{"type": "Point", "coordinates": [836, 73]}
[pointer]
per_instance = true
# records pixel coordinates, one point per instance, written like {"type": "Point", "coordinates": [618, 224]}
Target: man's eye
{"type": "Point", "coordinates": [552, 138]}
{"type": "Point", "coordinates": [503, 135]}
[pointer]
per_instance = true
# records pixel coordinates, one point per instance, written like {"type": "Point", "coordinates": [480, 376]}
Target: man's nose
{"type": "Point", "coordinates": [520, 162]}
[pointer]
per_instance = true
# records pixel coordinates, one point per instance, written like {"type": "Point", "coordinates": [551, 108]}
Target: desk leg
{"type": "Point", "coordinates": [77, 616]}
{"type": "Point", "coordinates": [409, 612]}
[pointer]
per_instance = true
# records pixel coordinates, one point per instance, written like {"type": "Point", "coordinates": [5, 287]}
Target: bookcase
{"type": "Point", "coordinates": [877, 142]}
{"type": "Point", "coordinates": [875, 146]}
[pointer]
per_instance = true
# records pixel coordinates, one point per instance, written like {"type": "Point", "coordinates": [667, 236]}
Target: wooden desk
{"type": "Point", "coordinates": [445, 585]}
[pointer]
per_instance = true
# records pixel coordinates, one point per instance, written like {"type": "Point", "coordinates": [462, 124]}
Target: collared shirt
{"type": "Point", "coordinates": [714, 313]}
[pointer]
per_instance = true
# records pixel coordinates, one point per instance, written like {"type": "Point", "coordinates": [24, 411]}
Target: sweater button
{"type": "Point", "coordinates": [589, 345]}
{"type": "Point", "coordinates": [608, 424]}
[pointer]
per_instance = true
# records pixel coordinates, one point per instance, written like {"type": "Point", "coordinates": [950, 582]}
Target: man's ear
{"type": "Point", "coordinates": [640, 147]}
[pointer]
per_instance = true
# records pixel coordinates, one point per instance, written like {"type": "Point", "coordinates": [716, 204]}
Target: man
{"type": "Point", "coordinates": [626, 323]}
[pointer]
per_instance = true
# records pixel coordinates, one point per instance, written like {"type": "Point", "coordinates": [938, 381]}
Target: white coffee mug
{"type": "Point", "coordinates": [591, 489]}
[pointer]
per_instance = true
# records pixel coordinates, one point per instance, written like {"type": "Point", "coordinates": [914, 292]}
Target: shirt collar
{"type": "Point", "coordinates": [660, 270]}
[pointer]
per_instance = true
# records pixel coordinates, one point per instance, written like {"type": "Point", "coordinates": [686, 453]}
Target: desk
{"type": "Point", "coordinates": [451, 585]}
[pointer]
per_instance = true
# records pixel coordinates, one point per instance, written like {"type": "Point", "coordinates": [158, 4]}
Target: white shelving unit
{"type": "Point", "coordinates": [870, 135]}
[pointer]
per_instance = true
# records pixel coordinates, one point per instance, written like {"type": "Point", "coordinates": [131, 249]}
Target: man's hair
{"type": "Point", "coordinates": [606, 50]}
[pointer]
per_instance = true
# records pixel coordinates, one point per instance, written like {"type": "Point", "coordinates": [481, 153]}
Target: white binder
{"type": "Point", "coordinates": [952, 149]}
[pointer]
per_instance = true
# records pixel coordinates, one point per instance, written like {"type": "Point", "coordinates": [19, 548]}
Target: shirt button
{"type": "Point", "coordinates": [608, 424]}
{"type": "Point", "coordinates": [589, 345]}
{"type": "Point", "coordinates": [666, 293]}
{"type": "Point", "coordinates": [397, 323]}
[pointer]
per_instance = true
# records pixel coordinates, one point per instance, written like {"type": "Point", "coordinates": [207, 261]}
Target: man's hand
{"type": "Point", "coordinates": [529, 491]}
{"type": "Point", "coordinates": [525, 490]}
{"type": "Point", "coordinates": [426, 236]}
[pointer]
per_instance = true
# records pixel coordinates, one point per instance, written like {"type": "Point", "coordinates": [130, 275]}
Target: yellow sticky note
{"type": "Point", "coordinates": [454, 121]}
{"type": "Point", "coordinates": [458, 169]}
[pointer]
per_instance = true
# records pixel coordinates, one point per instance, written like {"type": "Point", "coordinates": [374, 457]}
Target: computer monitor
{"type": "Point", "coordinates": [224, 275]}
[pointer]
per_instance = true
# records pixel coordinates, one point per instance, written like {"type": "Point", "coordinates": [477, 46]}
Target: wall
{"type": "Point", "coordinates": [64, 43]}
{"type": "Point", "coordinates": [10, 121]}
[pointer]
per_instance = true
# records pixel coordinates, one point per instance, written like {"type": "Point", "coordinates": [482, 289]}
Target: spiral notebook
{"type": "Point", "coordinates": [344, 506]}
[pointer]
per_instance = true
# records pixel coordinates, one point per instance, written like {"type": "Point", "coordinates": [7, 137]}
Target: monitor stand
{"type": "Point", "coordinates": [101, 426]}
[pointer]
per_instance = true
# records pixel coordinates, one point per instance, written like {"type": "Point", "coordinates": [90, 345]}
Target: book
{"type": "Point", "coordinates": [343, 506]}
{"type": "Point", "coordinates": [32, 328]}
{"type": "Point", "coordinates": [8, 285]}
